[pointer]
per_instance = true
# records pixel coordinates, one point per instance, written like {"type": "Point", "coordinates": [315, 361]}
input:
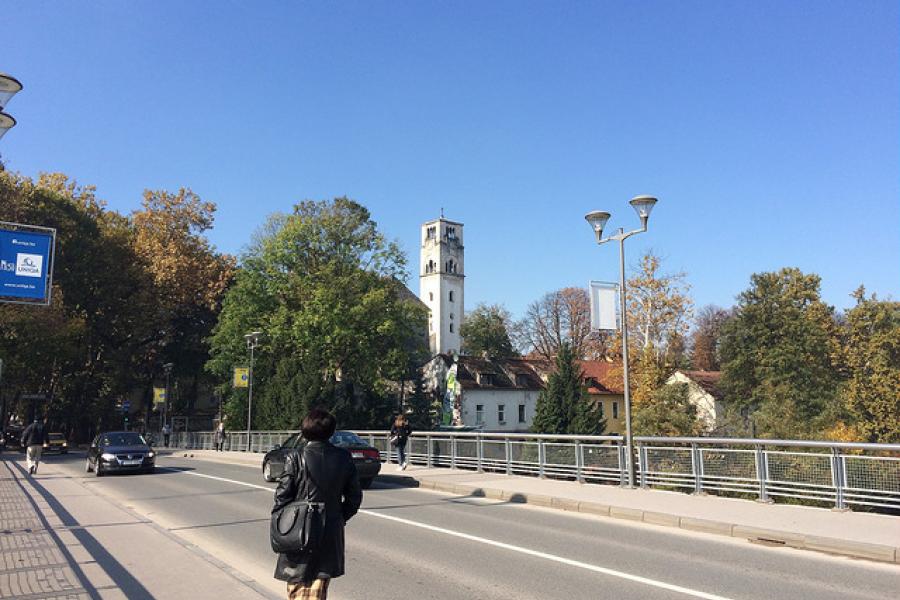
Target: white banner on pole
{"type": "Point", "coordinates": [604, 306]}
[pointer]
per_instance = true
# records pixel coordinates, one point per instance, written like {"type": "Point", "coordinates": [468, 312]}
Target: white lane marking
{"type": "Point", "coordinates": [474, 538]}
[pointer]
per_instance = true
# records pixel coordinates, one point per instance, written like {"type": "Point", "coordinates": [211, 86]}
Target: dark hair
{"type": "Point", "coordinates": [318, 425]}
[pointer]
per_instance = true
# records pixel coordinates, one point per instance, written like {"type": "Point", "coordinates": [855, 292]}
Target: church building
{"type": "Point", "coordinates": [441, 277]}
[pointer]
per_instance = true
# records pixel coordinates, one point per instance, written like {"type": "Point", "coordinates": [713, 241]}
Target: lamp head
{"type": "Point", "coordinates": [597, 219]}
{"type": "Point", "coordinates": [9, 87]}
{"type": "Point", "coordinates": [6, 123]}
{"type": "Point", "coordinates": [642, 206]}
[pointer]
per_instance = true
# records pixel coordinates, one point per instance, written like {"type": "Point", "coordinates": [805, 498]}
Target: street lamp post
{"type": "Point", "coordinates": [252, 342]}
{"type": "Point", "coordinates": [9, 87]}
{"type": "Point", "coordinates": [165, 415]}
{"type": "Point", "coordinates": [597, 219]}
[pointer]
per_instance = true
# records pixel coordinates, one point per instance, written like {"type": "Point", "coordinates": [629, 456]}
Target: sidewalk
{"type": "Point", "coordinates": [59, 539]}
{"type": "Point", "coordinates": [855, 534]}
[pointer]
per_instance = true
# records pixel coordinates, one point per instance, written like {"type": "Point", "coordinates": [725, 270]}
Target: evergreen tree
{"type": "Point", "coordinates": [563, 407]}
{"type": "Point", "coordinates": [669, 413]}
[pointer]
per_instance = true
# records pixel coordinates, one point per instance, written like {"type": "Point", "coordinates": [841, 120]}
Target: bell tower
{"type": "Point", "coordinates": [441, 277]}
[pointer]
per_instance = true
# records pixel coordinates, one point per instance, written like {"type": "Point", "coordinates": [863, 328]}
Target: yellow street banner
{"type": "Point", "coordinates": [241, 376]}
{"type": "Point", "coordinates": [159, 396]}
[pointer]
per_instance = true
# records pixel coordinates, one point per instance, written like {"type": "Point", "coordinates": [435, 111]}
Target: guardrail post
{"type": "Point", "coordinates": [453, 452]}
{"type": "Point", "coordinates": [642, 465]}
{"type": "Point", "coordinates": [429, 451]}
{"type": "Point", "coordinates": [697, 468]}
{"type": "Point", "coordinates": [579, 462]}
{"type": "Point", "coordinates": [507, 449]}
{"type": "Point", "coordinates": [762, 474]}
{"type": "Point", "coordinates": [479, 450]}
{"type": "Point", "coordinates": [837, 478]}
{"type": "Point", "coordinates": [623, 476]}
{"type": "Point", "coordinates": [541, 457]}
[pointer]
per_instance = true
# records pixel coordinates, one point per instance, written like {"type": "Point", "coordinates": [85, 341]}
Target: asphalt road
{"type": "Point", "coordinates": [410, 543]}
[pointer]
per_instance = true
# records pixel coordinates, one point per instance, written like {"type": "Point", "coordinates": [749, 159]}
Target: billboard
{"type": "Point", "coordinates": [26, 263]}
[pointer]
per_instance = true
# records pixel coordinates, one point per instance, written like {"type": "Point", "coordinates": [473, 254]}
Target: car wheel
{"type": "Point", "coordinates": [366, 483]}
{"type": "Point", "coordinates": [267, 471]}
{"type": "Point", "coordinates": [87, 465]}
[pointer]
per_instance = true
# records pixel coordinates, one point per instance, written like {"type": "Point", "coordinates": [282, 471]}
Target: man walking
{"type": "Point", "coordinates": [33, 438]}
{"type": "Point", "coordinates": [220, 436]}
{"type": "Point", "coordinates": [166, 431]}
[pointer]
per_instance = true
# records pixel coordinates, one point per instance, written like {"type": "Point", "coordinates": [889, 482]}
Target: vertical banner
{"type": "Point", "coordinates": [604, 306]}
{"type": "Point", "coordinates": [159, 398]}
{"type": "Point", "coordinates": [241, 377]}
{"type": "Point", "coordinates": [26, 263]}
{"type": "Point", "coordinates": [451, 413]}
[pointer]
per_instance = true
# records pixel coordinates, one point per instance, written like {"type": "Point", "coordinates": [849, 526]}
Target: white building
{"type": "Point", "coordinates": [704, 393]}
{"type": "Point", "coordinates": [441, 277]}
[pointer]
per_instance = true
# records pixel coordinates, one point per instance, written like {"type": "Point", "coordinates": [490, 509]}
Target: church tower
{"type": "Point", "coordinates": [441, 277]}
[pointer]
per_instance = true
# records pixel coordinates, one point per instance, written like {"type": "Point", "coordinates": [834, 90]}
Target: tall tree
{"type": "Point", "coordinates": [872, 355]}
{"type": "Point", "coordinates": [778, 355]}
{"type": "Point", "coordinates": [560, 317]}
{"type": "Point", "coordinates": [486, 331]}
{"type": "Point", "coordinates": [705, 337]}
{"type": "Point", "coordinates": [323, 286]}
{"type": "Point", "coordinates": [564, 407]}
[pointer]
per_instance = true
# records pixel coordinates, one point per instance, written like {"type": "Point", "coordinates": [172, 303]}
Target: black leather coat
{"type": "Point", "coordinates": [337, 485]}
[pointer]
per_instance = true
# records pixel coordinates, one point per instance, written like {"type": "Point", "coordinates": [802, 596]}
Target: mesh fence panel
{"type": "Point", "coordinates": [559, 455]}
{"type": "Point", "coordinates": [670, 461]}
{"type": "Point", "coordinates": [600, 457]}
{"type": "Point", "coordinates": [800, 467]}
{"type": "Point", "coordinates": [729, 464]}
{"type": "Point", "coordinates": [871, 473]}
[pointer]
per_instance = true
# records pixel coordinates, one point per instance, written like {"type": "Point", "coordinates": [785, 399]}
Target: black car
{"type": "Point", "coordinates": [120, 451]}
{"type": "Point", "coordinates": [365, 457]}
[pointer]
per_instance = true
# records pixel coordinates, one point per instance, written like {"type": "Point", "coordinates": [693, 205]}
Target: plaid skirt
{"type": "Point", "coordinates": [317, 589]}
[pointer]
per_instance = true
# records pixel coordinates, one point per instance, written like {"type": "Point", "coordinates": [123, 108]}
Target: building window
{"type": "Point", "coordinates": [431, 233]}
{"type": "Point", "coordinates": [431, 296]}
{"type": "Point", "coordinates": [600, 407]}
{"type": "Point", "coordinates": [451, 327]}
{"type": "Point", "coordinates": [501, 413]}
{"type": "Point", "coordinates": [521, 380]}
{"type": "Point", "coordinates": [479, 414]}
{"type": "Point", "coordinates": [615, 410]}
{"type": "Point", "coordinates": [521, 413]}
{"type": "Point", "coordinates": [451, 295]}
{"type": "Point", "coordinates": [485, 379]}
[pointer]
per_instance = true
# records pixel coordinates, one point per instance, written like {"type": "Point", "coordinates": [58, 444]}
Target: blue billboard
{"type": "Point", "coordinates": [26, 263]}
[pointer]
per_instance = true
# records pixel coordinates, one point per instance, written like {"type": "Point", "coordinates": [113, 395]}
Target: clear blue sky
{"type": "Point", "coordinates": [770, 131]}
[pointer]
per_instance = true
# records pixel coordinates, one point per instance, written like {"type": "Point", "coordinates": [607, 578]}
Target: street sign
{"type": "Point", "coordinates": [26, 263]}
{"type": "Point", "coordinates": [159, 397]}
{"type": "Point", "coordinates": [241, 376]}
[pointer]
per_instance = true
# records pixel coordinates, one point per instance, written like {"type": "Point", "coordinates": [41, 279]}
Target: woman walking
{"type": "Point", "coordinates": [332, 480]}
{"type": "Point", "coordinates": [400, 433]}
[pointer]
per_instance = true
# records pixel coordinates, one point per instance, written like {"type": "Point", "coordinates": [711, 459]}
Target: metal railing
{"type": "Point", "coordinates": [841, 474]}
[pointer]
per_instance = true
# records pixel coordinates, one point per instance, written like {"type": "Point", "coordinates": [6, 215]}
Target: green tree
{"type": "Point", "coordinates": [872, 355]}
{"type": "Point", "coordinates": [778, 356]}
{"type": "Point", "coordinates": [486, 331]}
{"type": "Point", "coordinates": [563, 407]}
{"type": "Point", "coordinates": [669, 413]}
{"type": "Point", "coordinates": [323, 285]}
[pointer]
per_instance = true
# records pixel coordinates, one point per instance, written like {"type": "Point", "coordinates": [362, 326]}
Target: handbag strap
{"type": "Point", "coordinates": [307, 476]}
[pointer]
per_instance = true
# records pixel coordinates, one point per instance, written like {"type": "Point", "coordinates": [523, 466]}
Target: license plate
{"type": "Point", "coordinates": [356, 454]}
{"type": "Point", "coordinates": [131, 463]}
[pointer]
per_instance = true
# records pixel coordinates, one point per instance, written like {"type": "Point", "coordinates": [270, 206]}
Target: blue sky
{"type": "Point", "coordinates": [770, 131]}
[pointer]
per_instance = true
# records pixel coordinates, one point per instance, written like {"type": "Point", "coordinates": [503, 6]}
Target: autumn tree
{"type": "Point", "coordinates": [323, 285]}
{"type": "Point", "coordinates": [563, 316]}
{"type": "Point", "coordinates": [486, 330]}
{"type": "Point", "coordinates": [872, 356]}
{"type": "Point", "coordinates": [705, 338]}
{"type": "Point", "coordinates": [778, 356]}
{"type": "Point", "coordinates": [670, 413]}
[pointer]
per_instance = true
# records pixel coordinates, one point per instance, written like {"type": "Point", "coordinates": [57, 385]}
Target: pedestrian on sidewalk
{"type": "Point", "coordinates": [332, 480]}
{"type": "Point", "coordinates": [400, 432]}
{"type": "Point", "coordinates": [166, 432]}
{"type": "Point", "coordinates": [220, 437]}
{"type": "Point", "coordinates": [33, 438]}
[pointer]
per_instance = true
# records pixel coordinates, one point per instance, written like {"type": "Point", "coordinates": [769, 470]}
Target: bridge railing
{"type": "Point", "coordinates": [841, 474]}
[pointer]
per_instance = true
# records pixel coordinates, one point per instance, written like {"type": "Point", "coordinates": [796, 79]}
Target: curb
{"type": "Point", "coordinates": [800, 541]}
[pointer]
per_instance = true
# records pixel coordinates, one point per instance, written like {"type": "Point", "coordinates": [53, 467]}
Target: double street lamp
{"type": "Point", "coordinates": [597, 219]}
{"type": "Point", "coordinates": [9, 87]}
{"type": "Point", "coordinates": [252, 342]}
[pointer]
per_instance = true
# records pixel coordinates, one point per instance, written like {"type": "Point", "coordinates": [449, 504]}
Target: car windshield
{"type": "Point", "coordinates": [126, 438]}
{"type": "Point", "coordinates": [346, 438]}
{"type": "Point", "coordinates": [56, 436]}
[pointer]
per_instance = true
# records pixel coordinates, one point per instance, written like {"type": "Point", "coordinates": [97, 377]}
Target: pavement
{"type": "Point", "coordinates": [61, 539]}
{"type": "Point", "coordinates": [847, 533]}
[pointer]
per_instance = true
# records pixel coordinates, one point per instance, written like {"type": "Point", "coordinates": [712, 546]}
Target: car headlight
{"type": "Point", "coordinates": [151, 454]}
{"type": "Point", "coordinates": [46, 445]}
{"type": "Point", "coordinates": [65, 444]}
{"type": "Point", "coordinates": [108, 457]}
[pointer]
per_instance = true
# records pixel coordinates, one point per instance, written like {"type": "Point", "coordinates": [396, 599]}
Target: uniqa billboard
{"type": "Point", "coordinates": [26, 263]}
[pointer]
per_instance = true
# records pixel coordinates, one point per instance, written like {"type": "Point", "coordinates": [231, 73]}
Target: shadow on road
{"type": "Point", "coordinates": [123, 579]}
